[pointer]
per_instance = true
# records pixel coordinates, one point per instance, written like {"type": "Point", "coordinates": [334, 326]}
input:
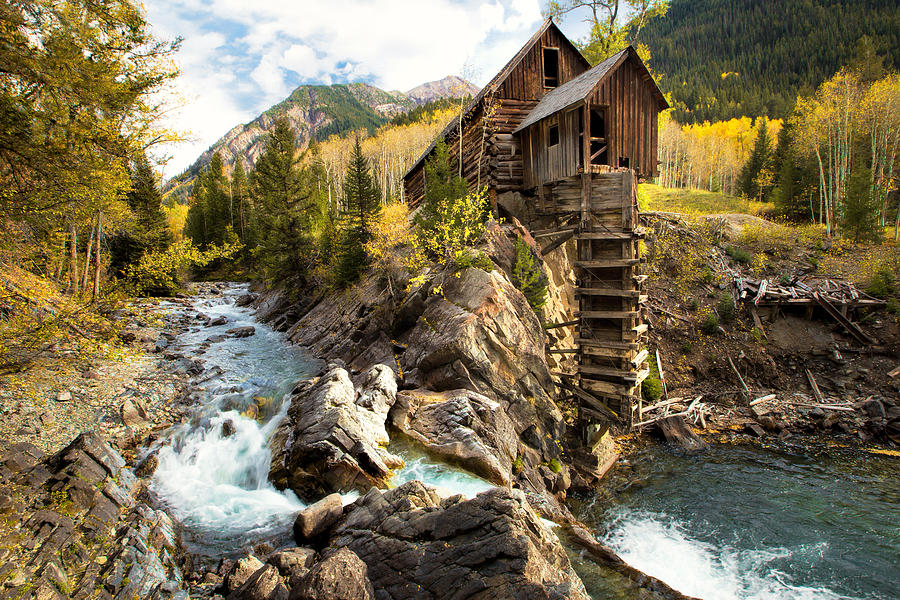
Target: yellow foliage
{"type": "Point", "coordinates": [390, 232]}
{"type": "Point", "coordinates": [157, 271]}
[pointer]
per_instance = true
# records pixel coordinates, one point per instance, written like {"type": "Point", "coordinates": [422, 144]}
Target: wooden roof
{"type": "Point", "coordinates": [576, 90]}
{"type": "Point", "coordinates": [492, 86]}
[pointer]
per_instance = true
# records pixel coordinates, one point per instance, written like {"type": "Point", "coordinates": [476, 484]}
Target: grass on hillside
{"type": "Point", "coordinates": [694, 202]}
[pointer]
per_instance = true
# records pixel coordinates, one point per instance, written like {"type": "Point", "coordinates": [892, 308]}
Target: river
{"type": "Point", "coordinates": [730, 523]}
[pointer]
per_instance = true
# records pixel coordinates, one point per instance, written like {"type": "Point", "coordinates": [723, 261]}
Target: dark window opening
{"type": "Point", "coordinates": [623, 161]}
{"type": "Point", "coordinates": [598, 142]}
{"type": "Point", "coordinates": [553, 137]}
{"type": "Point", "coordinates": [580, 139]}
{"type": "Point", "coordinates": [551, 67]}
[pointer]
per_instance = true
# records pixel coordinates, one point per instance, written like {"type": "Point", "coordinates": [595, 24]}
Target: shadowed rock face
{"type": "Point", "coordinates": [418, 545]}
{"type": "Point", "coordinates": [462, 427]}
{"type": "Point", "coordinates": [330, 440]}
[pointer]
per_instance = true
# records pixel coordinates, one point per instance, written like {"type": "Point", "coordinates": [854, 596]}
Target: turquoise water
{"type": "Point", "coordinates": [216, 486]}
{"type": "Point", "coordinates": [738, 522]}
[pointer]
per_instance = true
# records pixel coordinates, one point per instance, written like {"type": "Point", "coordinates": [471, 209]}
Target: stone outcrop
{"type": "Point", "coordinates": [72, 528]}
{"type": "Point", "coordinates": [462, 427]}
{"type": "Point", "coordinates": [340, 575]}
{"type": "Point", "coordinates": [457, 330]}
{"type": "Point", "coordinates": [419, 545]}
{"type": "Point", "coordinates": [331, 440]}
{"type": "Point", "coordinates": [318, 517]}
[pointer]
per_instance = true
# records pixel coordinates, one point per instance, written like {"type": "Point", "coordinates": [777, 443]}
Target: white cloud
{"type": "Point", "coordinates": [239, 58]}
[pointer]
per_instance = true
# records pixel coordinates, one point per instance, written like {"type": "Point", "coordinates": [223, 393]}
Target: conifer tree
{"type": "Point", "coordinates": [362, 201]}
{"type": "Point", "coordinates": [241, 206]}
{"type": "Point", "coordinates": [760, 160]}
{"type": "Point", "coordinates": [859, 212]}
{"type": "Point", "coordinates": [217, 200]}
{"type": "Point", "coordinates": [286, 207]}
{"type": "Point", "coordinates": [441, 183]}
{"type": "Point", "coordinates": [149, 231]}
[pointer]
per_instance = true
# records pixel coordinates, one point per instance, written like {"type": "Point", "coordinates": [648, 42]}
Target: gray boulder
{"type": "Point", "coordinates": [461, 426]}
{"type": "Point", "coordinates": [331, 440]}
{"type": "Point", "coordinates": [341, 575]}
{"type": "Point", "coordinates": [265, 584]}
{"type": "Point", "coordinates": [419, 545]}
{"type": "Point", "coordinates": [317, 518]}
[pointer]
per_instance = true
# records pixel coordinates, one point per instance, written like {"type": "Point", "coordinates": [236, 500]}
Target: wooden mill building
{"type": "Point", "coordinates": [558, 144]}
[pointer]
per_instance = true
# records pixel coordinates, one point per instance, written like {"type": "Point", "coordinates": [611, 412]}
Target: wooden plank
{"type": "Point", "coordinates": [610, 235]}
{"type": "Point", "coordinates": [563, 351]}
{"type": "Point", "coordinates": [607, 292]}
{"type": "Point", "coordinates": [608, 314]}
{"type": "Point", "coordinates": [607, 344]}
{"type": "Point", "coordinates": [640, 358]}
{"type": "Point", "coordinates": [894, 373]}
{"type": "Point", "coordinates": [606, 387]}
{"type": "Point", "coordinates": [606, 371]}
{"type": "Point", "coordinates": [558, 242]}
{"type": "Point", "coordinates": [610, 263]}
{"type": "Point", "coordinates": [849, 325]}
{"type": "Point", "coordinates": [815, 387]}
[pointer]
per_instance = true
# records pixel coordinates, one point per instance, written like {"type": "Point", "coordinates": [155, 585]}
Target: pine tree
{"type": "Point", "coordinates": [286, 207]}
{"type": "Point", "coordinates": [217, 200]}
{"type": "Point", "coordinates": [195, 225]}
{"type": "Point", "coordinates": [859, 213]}
{"type": "Point", "coordinates": [145, 201]}
{"type": "Point", "coordinates": [760, 160]}
{"type": "Point", "coordinates": [528, 276]}
{"type": "Point", "coordinates": [150, 230]}
{"type": "Point", "coordinates": [241, 205]}
{"type": "Point", "coordinates": [441, 183]}
{"type": "Point", "coordinates": [362, 199]}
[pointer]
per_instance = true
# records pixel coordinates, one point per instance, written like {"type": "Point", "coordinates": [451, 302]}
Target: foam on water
{"type": "Point", "coordinates": [661, 546]}
{"type": "Point", "coordinates": [216, 483]}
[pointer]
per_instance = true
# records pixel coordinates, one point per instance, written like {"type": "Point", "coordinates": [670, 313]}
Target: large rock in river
{"type": "Point", "coordinates": [461, 426]}
{"type": "Point", "coordinates": [418, 545]}
{"type": "Point", "coordinates": [331, 440]}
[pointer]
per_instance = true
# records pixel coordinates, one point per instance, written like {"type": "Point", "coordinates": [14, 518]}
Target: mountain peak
{"type": "Point", "coordinates": [449, 86]}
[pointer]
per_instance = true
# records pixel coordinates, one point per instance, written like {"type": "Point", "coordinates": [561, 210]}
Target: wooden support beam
{"type": "Point", "coordinates": [609, 263]}
{"type": "Point", "coordinates": [606, 387]}
{"type": "Point", "coordinates": [606, 371]}
{"type": "Point", "coordinates": [640, 358]}
{"type": "Point", "coordinates": [610, 235]}
{"type": "Point", "coordinates": [563, 351]}
{"type": "Point", "coordinates": [608, 314]}
{"type": "Point", "coordinates": [562, 239]}
{"type": "Point", "coordinates": [815, 387]}
{"type": "Point", "coordinates": [552, 232]}
{"type": "Point", "coordinates": [607, 344]}
{"type": "Point", "coordinates": [601, 291]}
{"type": "Point", "coordinates": [849, 325]}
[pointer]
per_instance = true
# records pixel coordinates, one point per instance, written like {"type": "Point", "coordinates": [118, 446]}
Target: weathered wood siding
{"type": "Point", "coordinates": [631, 118]}
{"type": "Point", "coordinates": [547, 164]}
{"type": "Point", "coordinates": [526, 80]}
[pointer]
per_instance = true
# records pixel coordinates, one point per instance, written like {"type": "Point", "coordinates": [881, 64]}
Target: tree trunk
{"type": "Point", "coordinates": [73, 260]}
{"type": "Point", "coordinates": [87, 260]}
{"type": "Point", "coordinates": [96, 291]}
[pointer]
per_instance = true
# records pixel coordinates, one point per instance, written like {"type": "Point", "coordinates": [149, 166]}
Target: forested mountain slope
{"type": "Point", "coordinates": [731, 58]}
{"type": "Point", "coordinates": [316, 112]}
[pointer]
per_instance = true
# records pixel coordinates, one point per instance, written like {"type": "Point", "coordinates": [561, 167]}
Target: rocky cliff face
{"type": "Point", "coordinates": [469, 354]}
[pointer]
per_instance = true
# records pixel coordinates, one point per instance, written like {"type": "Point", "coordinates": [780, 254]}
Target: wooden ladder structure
{"type": "Point", "coordinates": [611, 331]}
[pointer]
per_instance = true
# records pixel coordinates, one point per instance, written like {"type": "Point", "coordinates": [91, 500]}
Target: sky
{"type": "Point", "coordinates": [239, 57]}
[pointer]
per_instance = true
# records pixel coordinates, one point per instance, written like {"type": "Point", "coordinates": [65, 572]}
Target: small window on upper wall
{"type": "Point", "coordinates": [553, 136]}
{"type": "Point", "coordinates": [551, 67]}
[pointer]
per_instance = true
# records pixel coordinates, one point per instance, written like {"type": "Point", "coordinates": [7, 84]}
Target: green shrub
{"type": "Point", "coordinates": [686, 347]}
{"type": "Point", "coordinates": [738, 254]}
{"type": "Point", "coordinates": [479, 260]}
{"type": "Point", "coordinates": [710, 324]}
{"type": "Point", "coordinates": [726, 307]}
{"type": "Point", "coordinates": [518, 465]}
{"type": "Point", "coordinates": [555, 466]}
{"type": "Point", "coordinates": [707, 275]}
{"type": "Point", "coordinates": [651, 389]}
{"type": "Point", "coordinates": [757, 336]}
{"type": "Point", "coordinates": [528, 275]}
{"type": "Point", "coordinates": [893, 307]}
{"type": "Point", "coordinates": [882, 284]}
{"type": "Point", "coordinates": [693, 305]}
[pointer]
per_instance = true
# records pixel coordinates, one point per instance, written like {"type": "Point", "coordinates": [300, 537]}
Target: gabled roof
{"type": "Point", "coordinates": [576, 90]}
{"type": "Point", "coordinates": [495, 83]}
